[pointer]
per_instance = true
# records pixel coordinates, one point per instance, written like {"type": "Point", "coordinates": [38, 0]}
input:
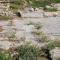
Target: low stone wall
{"type": "Point", "coordinates": [38, 14]}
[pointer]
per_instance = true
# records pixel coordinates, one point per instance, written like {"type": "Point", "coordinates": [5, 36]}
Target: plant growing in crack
{"type": "Point", "coordinates": [39, 34]}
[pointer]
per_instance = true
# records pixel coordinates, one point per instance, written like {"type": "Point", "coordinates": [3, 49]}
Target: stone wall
{"type": "Point", "coordinates": [39, 14]}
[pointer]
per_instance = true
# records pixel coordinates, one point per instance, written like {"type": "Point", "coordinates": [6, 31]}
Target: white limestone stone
{"type": "Point", "coordinates": [55, 53]}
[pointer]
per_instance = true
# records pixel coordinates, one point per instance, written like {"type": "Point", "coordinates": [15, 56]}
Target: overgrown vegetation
{"type": "Point", "coordinates": [41, 37]}
{"type": "Point", "coordinates": [50, 9]}
{"type": "Point", "coordinates": [24, 52]}
{"type": "Point", "coordinates": [38, 33]}
{"type": "Point", "coordinates": [34, 3]}
{"type": "Point", "coordinates": [4, 56]}
{"type": "Point", "coordinates": [5, 17]}
{"type": "Point", "coordinates": [28, 52]}
{"type": "Point", "coordinates": [53, 44]}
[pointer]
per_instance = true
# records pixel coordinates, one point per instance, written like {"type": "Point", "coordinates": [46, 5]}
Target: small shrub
{"type": "Point", "coordinates": [37, 25]}
{"type": "Point", "coordinates": [53, 44]}
{"type": "Point", "coordinates": [37, 32]}
{"type": "Point", "coordinates": [30, 23]}
{"type": "Point", "coordinates": [28, 52]}
{"type": "Point", "coordinates": [41, 37]}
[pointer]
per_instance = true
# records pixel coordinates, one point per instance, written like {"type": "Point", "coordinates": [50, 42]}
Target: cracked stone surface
{"type": "Point", "coordinates": [19, 31]}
